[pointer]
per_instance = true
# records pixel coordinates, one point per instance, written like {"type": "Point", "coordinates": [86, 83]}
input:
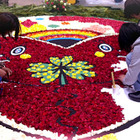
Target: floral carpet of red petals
{"type": "Point", "coordinates": [103, 21]}
{"type": "Point", "coordinates": [75, 108]}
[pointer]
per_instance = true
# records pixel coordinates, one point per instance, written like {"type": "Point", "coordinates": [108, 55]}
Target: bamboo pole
{"type": "Point", "coordinates": [113, 81]}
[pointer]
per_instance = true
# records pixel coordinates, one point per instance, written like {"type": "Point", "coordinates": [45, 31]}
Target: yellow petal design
{"type": "Point", "coordinates": [25, 56]}
{"type": "Point", "coordinates": [99, 54]}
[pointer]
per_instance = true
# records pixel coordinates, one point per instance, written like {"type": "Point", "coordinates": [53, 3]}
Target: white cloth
{"type": "Point", "coordinates": [110, 3]}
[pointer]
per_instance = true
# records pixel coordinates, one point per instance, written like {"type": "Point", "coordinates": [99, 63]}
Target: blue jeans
{"type": "Point", "coordinates": [117, 1]}
{"type": "Point", "coordinates": [137, 83]}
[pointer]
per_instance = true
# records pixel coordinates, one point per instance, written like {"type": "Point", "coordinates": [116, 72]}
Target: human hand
{"type": "Point", "coordinates": [3, 73]}
{"type": "Point", "coordinates": [121, 77]}
{"type": "Point", "coordinates": [7, 70]}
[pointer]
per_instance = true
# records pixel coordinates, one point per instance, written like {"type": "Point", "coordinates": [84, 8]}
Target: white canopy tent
{"type": "Point", "coordinates": [110, 3]}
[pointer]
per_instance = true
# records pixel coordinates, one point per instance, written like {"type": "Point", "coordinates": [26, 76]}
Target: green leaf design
{"type": "Point", "coordinates": [66, 60]}
{"type": "Point", "coordinates": [55, 61]}
{"type": "Point", "coordinates": [49, 77]}
{"type": "Point", "coordinates": [79, 70]}
{"type": "Point", "coordinates": [59, 68]}
{"type": "Point", "coordinates": [53, 26]}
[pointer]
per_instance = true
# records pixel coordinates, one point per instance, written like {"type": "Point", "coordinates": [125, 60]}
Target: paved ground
{"type": "Point", "coordinates": [25, 2]}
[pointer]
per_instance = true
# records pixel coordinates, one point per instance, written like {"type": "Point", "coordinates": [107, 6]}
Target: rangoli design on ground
{"type": "Point", "coordinates": [59, 88]}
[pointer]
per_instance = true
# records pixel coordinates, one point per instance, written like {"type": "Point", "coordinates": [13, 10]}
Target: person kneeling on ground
{"type": "Point", "coordinates": [8, 23]}
{"type": "Point", "coordinates": [129, 40]}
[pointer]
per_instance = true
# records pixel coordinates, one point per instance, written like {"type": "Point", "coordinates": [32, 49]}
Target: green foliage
{"type": "Point", "coordinates": [74, 10]}
{"type": "Point", "coordinates": [56, 5]}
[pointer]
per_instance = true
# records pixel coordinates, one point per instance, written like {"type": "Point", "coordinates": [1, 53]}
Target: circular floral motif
{"type": "Point", "coordinates": [105, 47]}
{"type": "Point", "coordinates": [18, 50]}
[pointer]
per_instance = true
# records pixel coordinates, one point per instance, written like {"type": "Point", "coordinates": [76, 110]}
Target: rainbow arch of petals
{"type": "Point", "coordinates": [64, 33]}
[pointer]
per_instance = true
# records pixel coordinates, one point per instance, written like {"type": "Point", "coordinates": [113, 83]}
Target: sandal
{"type": "Point", "coordinates": [135, 96]}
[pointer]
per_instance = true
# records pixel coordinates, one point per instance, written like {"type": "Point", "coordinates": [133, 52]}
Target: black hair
{"type": "Point", "coordinates": [9, 23]}
{"type": "Point", "coordinates": [128, 34]}
{"type": "Point", "coordinates": [131, 7]}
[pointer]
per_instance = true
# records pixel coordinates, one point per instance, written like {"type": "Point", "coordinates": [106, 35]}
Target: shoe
{"type": "Point", "coordinates": [135, 96]}
{"type": "Point", "coordinates": [118, 1]}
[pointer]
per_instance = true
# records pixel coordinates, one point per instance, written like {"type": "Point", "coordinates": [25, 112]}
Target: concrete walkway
{"type": "Point", "coordinates": [25, 2]}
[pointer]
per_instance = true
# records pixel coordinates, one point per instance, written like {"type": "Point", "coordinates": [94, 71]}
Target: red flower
{"type": "Point", "coordinates": [28, 23]}
{"type": "Point", "coordinates": [80, 104]}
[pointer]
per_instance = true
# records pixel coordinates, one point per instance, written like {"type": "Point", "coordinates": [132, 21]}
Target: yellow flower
{"type": "Point", "coordinates": [108, 137]}
{"type": "Point", "coordinates": [25, 56]}
{"type": "Point", "coordinates": [99, 54]}
{"type": "Point", "coordinates": [33, 28]}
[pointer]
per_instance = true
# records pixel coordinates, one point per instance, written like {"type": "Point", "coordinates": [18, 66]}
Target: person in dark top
{"type": "Point", "coordinates": [132, 9]}
{"type": "Point", "coordinates": [9, 23]}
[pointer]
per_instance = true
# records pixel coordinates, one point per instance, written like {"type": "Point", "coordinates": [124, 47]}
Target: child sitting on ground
{"type": "Point", "coordinates": [129, 40]}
